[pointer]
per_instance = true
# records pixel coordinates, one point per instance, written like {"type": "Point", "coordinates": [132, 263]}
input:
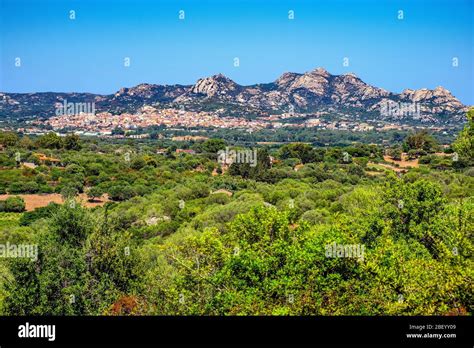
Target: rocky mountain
{"type": "Point", "coordinates": [313, 91]}
{"type": "Point", "coordinates": [216, 86]}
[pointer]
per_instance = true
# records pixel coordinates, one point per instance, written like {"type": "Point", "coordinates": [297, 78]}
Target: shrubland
{"type": "Point", "coordinates": [181, 235]}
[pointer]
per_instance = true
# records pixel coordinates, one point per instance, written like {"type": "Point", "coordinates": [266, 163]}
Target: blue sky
{"type": "Point", "coordinates": [87, 54]}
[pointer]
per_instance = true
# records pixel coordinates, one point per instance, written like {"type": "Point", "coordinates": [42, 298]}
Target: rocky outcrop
{"type": "Point", "coordinates": [315, 90]}
{"type": "Point", "coordinates": [217, 85]}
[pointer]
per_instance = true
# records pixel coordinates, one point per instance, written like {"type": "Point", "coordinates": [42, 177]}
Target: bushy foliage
{"type": "Point", "coordinates": [13, 204]}
{"type": "Point", "coordinates": [178, 238]}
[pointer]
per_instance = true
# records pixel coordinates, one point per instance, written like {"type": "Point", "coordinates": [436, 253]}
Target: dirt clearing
{"type": "Point", "coordinates": [33, 201]}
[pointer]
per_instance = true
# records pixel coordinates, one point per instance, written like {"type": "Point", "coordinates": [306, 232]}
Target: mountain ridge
{"type": "Point", "coordinates": [312, 91]}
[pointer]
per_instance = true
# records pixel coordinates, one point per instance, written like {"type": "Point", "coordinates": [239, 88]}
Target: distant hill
{"type": "Point", "coordinates": [313, 91]}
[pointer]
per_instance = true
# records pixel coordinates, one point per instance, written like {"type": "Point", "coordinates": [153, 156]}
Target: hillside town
{"type": "Point", "coordinates": [104, 124]}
